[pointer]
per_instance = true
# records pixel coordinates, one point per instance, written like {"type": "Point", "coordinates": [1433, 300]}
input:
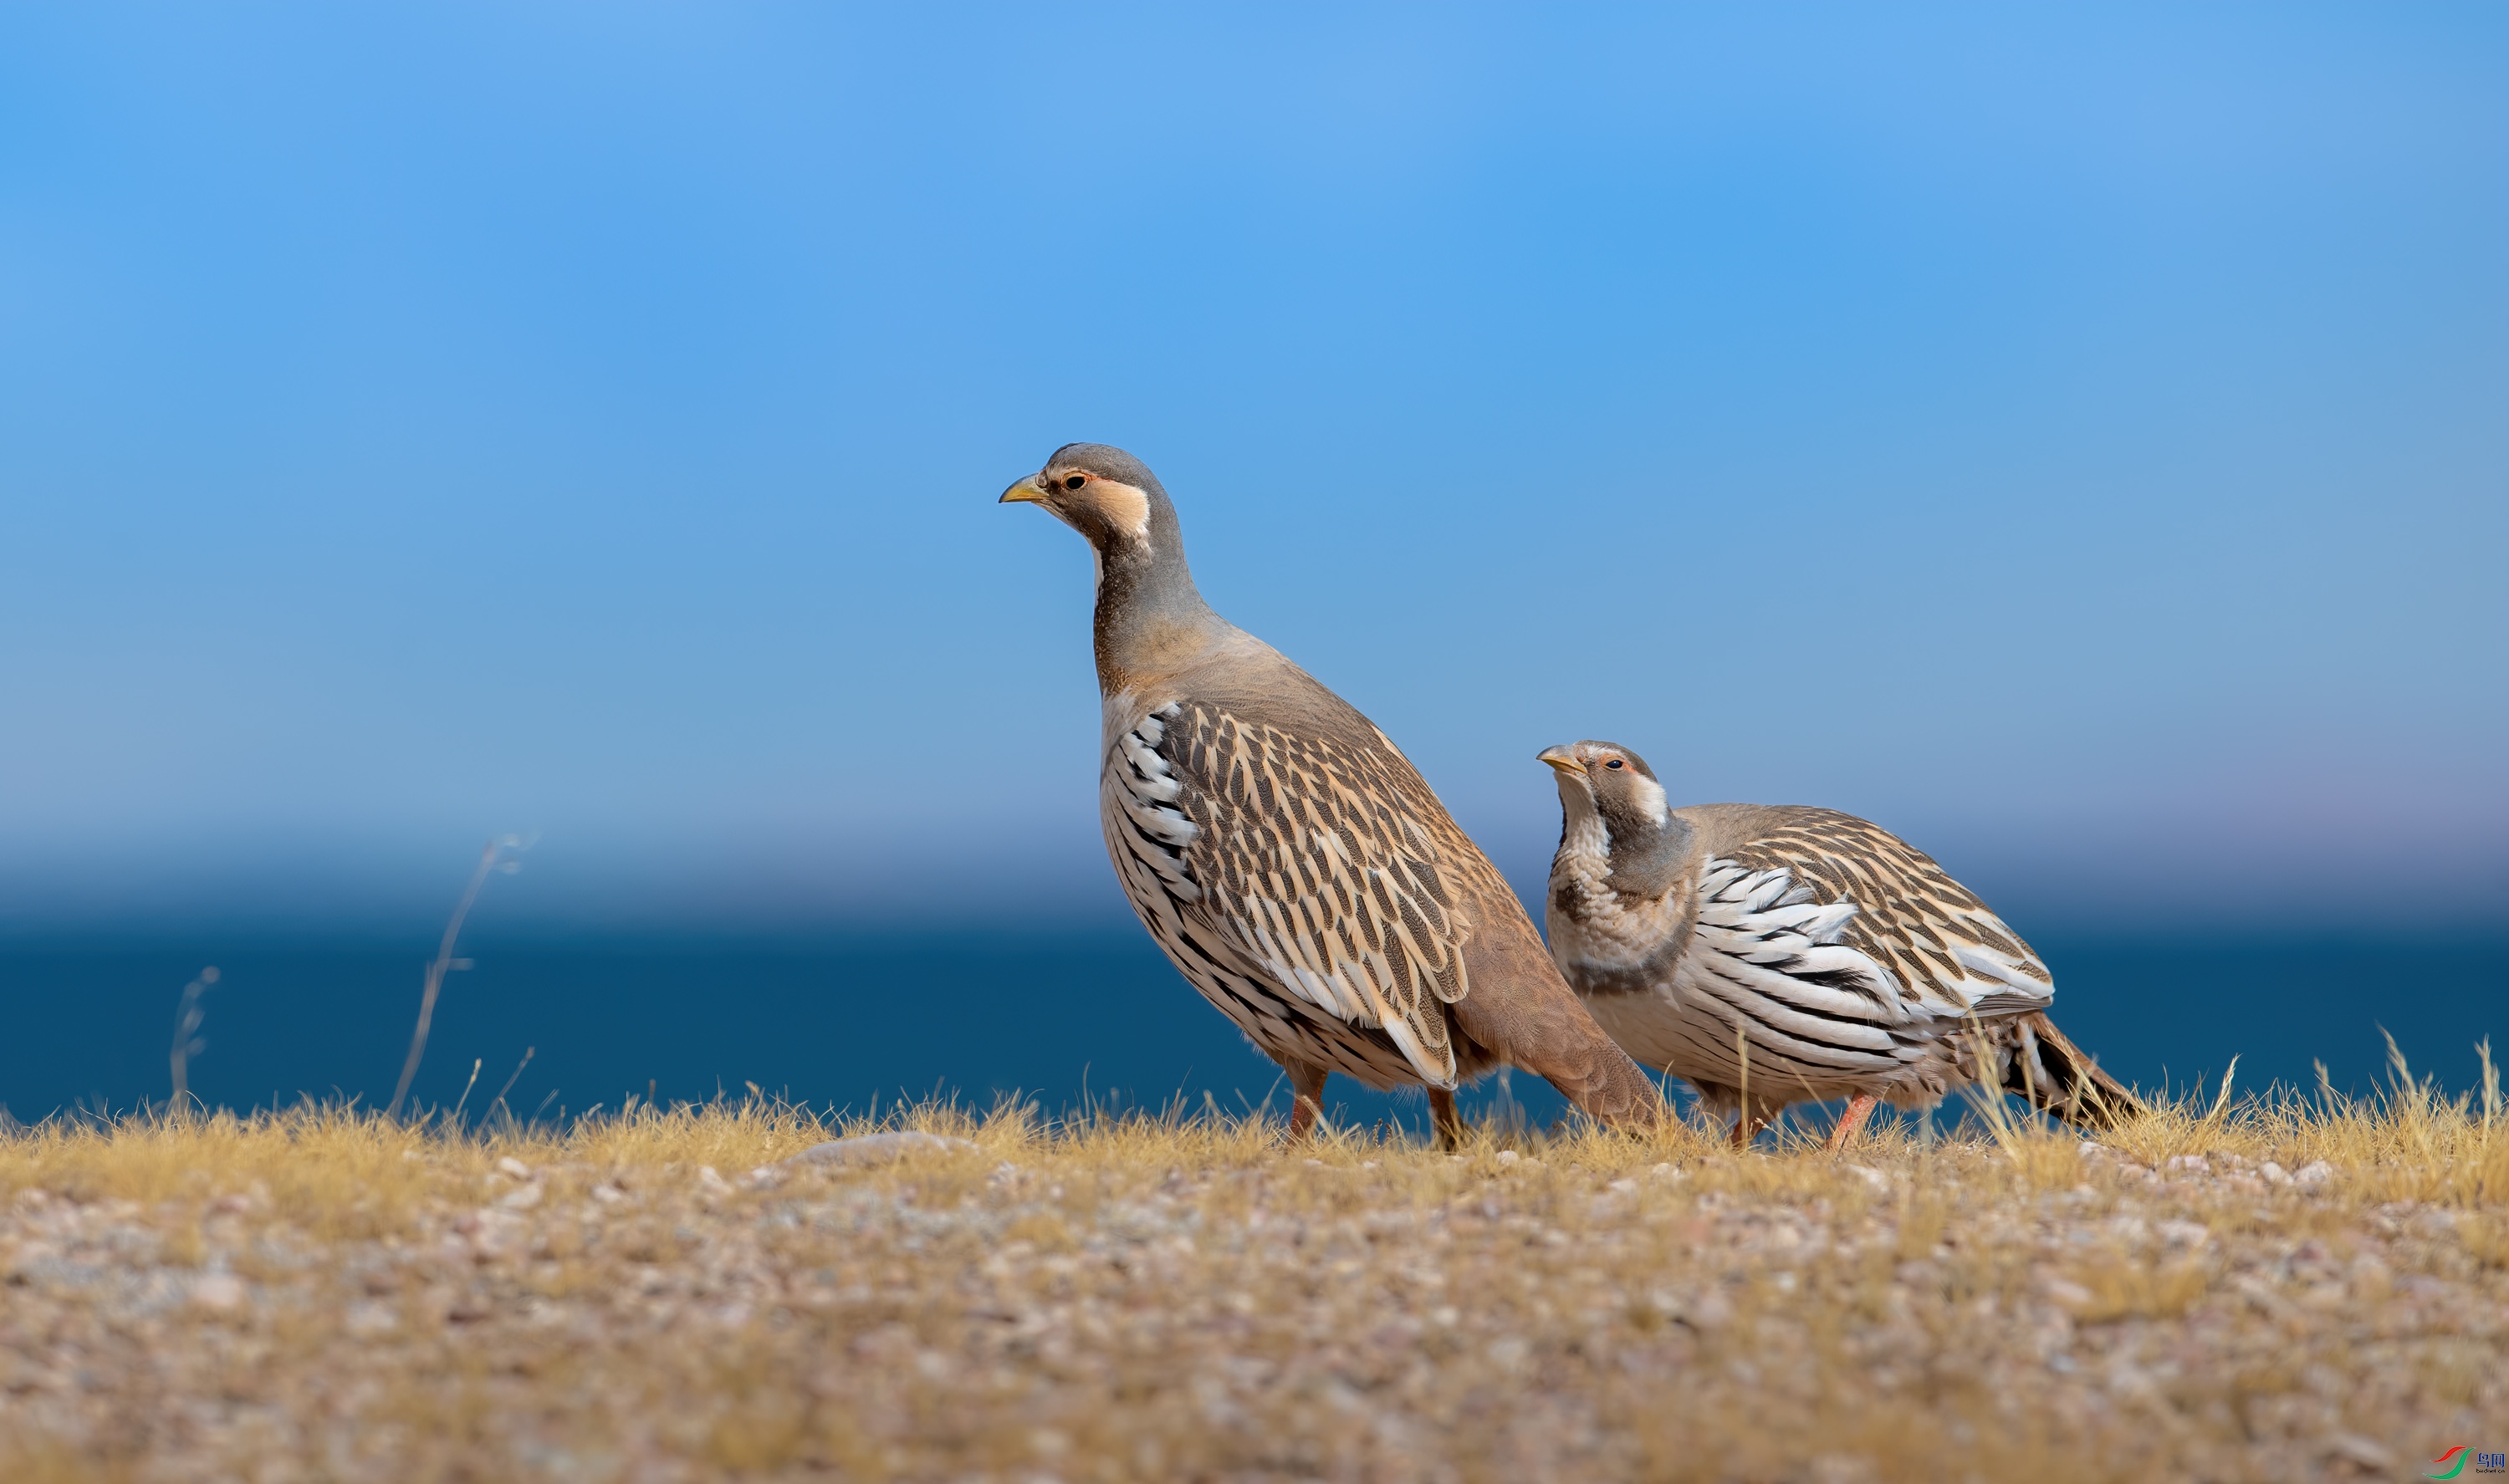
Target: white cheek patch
{"type": "Point", "coordinates": [1649, 796]}
{"type": "Point", "coordinates": [1126, 508]}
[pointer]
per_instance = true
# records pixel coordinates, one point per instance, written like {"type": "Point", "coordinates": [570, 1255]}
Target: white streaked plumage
{"type": "Point", "coordinates": [1285, 909]}
{"type": "Point", "coordinates": [1289, 861]}
{"type": "Point", "coordinates": [1838, 960]}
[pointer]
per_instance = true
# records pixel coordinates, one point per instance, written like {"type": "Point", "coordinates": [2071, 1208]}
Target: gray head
{"type": "Point", "coordinates": [1145, 592]}
{"type": "Point", "coordinates": [1105, 494]}
{"type": "Point", "coordinates": [1606, 786]}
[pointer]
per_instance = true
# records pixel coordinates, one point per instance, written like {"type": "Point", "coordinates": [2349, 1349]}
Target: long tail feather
{"type": "Point", "coordinates": [2057, 1077]}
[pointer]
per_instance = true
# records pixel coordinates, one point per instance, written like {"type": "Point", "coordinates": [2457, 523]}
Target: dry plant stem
{"type": "Point", "coordinates": [1743, 1130]}
{"type": "Point", "coordinates": [499, 1102]}
{"type": "Point", "coordinates": [455, 1117]}
{"type": "Point", "coordinates": [436, 970]}
{"type": "Point", "coordinates": [187, 1042]}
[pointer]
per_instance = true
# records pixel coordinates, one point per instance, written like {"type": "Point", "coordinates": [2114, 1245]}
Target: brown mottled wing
{"type": "Point", "coordinates": [1946, 950]}
{"type": "Point", "coordinates": [1329, 862]}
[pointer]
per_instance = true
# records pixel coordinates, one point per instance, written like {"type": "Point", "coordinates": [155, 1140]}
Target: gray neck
{"type": "Point", "coordinates": [1646, 857]}
{"type": "Point", "coordinates": [1150, 617]}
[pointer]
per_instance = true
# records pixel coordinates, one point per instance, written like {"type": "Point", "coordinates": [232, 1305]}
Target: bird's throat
{"type": "Point", "coordinates": [1149, 620]}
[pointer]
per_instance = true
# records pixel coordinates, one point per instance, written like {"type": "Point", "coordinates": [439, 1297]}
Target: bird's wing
{"type": "Point", "coordinates": [1769, 951]}
{"type": "Point", "coordinates": [1880, 920]}
{"type": "Point", "coordinates": [1324, 862]}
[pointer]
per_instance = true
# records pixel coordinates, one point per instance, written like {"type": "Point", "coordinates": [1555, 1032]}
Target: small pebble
{"type": "Point", "coordinates": [218, 1292]}
{"type": "Point", "coordinates": [868, 1149]}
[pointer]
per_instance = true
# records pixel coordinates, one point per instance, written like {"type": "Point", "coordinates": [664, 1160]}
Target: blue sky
{"type": "Point", "coordinates": [2072, 437]}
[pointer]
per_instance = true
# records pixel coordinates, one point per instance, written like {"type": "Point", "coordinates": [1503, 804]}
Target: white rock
{"type": "Point", "coordinates": [28, 1257]}
{"type": "Point", "coordinates": [868, 1149]}
{"type": "Point", "coordinates": [712, 1179]}
{"type": "Point", "coordinates": [1507, 1156]}
{"type": "Point", "coordinates": [2183, 1233]}
{"type": "Point", "coordinates": [514, 1167]}
{"type": "Point", "coordinates": [366, 1317]}
{"type": "Point", "coordinates": [2070, 1294]}
{"type": "Point", "coordinates": [522, 1200]}
{"type": "Point", "coordinates": [2274, 1173]}
{"type": "Point", "coordinates": [2360, 1450]}
{"type": "Point", "coordinates": [2314, 1173]}
{"type": "Point", "coordinates": [2187, 1164]}
{"type": "Point", "coordinates": [1840, 1469]}
{"type": "Point", "coordinates": [218, 1292]}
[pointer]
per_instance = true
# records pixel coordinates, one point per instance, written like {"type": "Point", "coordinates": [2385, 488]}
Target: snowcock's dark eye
{"type": "Point", "coordinates": [1615, 763]}
{"type": "Point", "coordinates": [1075, 482]}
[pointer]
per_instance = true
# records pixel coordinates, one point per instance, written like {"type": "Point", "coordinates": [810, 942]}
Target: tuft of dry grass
{"type": "Point", "coordinates": [2268, 1288]}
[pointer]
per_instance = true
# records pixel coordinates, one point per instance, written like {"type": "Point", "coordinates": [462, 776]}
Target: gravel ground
{"type": "Point", "coordinates": [1181, 1305]}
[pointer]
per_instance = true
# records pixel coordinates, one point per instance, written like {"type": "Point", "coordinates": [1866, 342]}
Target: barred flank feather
{"type": "Point", "coordinates": [1841, 961]}
{"type": "Point", "coordinates": [1319, 868]}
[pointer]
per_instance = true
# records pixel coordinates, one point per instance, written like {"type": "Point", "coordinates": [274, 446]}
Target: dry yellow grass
{"type": "Point", "coordinates": [649, 1296]}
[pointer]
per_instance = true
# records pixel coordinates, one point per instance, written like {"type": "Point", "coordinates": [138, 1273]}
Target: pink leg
{"type": "Point", "coordinates": [1749, 1117]}
{"type": "Point", "coordinates": [1442, 1112]}
{"type": "Point", "coordinates": [1307, 1090]}
{"type": "Point", "coordinates": [1857, 1111]}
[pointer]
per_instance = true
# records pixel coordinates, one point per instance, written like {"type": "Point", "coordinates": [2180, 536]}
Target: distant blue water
{"type": "Point", "coordinates": [846, 1021]}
